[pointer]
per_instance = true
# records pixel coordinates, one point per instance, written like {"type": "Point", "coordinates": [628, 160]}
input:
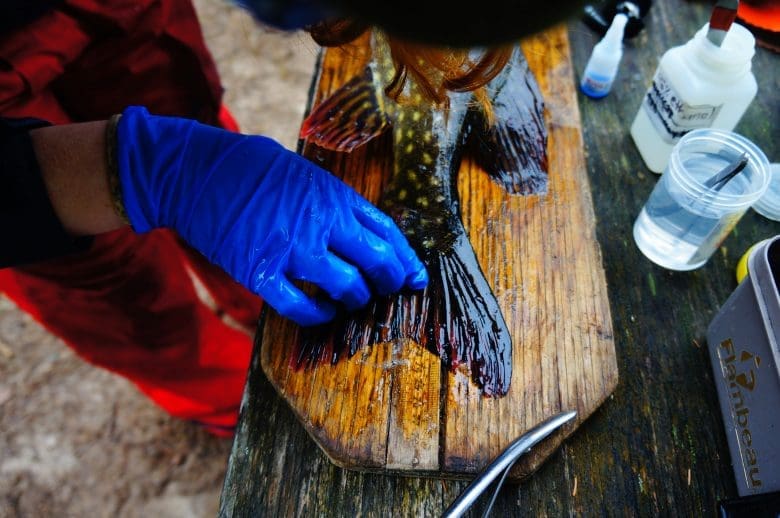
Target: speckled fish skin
{"type": "Point", "coordinates": [457, 315]}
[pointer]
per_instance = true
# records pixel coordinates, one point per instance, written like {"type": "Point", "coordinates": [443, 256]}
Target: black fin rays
{"type": "Point", "coordinates": [455, 317]}
{"type": "Point", "coordinates": [513, 150]}
{"type": "Point", "coordinates": [349, 118]}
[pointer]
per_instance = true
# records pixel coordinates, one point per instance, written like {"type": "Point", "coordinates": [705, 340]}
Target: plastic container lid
{"type": "Point", "coordinates": [769, 204]}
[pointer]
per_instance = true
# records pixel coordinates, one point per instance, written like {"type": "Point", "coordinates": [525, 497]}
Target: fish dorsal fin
{"type": "Point", "coordinates": [513, 149]}
{"type": "Point", "coordinates": [349, 118]}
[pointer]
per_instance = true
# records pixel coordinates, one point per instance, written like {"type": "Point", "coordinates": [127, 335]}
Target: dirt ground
{"type": "Point", "coordinates": [79, 441]}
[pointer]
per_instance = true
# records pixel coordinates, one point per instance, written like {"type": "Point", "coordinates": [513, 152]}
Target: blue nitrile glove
{"type": "Point", "coordinates": [265, 214]}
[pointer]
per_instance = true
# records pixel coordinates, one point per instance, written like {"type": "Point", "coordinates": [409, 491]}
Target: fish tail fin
{"type": "Point", "coordinates": [465, 325]}
{"type": "Point", "coordinates": [455, 317]}
{"type": "Point", "coordinates": [513, 149]}
{"type": "Point", "coordinates": [349, 118]}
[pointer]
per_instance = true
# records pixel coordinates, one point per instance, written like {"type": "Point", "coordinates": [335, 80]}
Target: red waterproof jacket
{"type": "Point", "coordinates": [144, 306]}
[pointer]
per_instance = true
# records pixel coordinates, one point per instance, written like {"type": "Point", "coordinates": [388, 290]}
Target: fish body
{"type": "Point", "coordinates": [421, 194]}
{"type": "Point", "coordinates": [457, 315]}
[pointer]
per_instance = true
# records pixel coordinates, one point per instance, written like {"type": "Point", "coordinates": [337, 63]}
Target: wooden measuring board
{"type": "Point", "coordinates": [393, 407]}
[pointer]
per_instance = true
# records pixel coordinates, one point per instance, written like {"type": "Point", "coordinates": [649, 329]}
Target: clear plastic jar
{"type": "Point", "coordinates": [769, 204]}
{"type": "Point", "coordinates": [685, 218]}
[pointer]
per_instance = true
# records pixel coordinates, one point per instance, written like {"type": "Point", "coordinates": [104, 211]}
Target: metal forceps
{"type": "Point", "coordinates": [503, 463]}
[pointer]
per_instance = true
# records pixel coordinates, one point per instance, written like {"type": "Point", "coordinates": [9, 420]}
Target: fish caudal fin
{"type": "Point", "coordinates": [455, 317]}
{"type": "Point", "coordinates": [513, 149]}
{"type": "Point", "coordinates": [465, 323]}
{"type": "Point", "coordinates": [349, 118]}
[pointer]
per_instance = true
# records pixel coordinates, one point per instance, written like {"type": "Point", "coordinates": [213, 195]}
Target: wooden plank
{"type": "Point", "coordinates": [413, 435]}
{"type": "Point", "coordinates": [392, 407]}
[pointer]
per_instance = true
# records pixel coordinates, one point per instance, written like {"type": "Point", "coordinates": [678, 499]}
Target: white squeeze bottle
{"type": "Point", "coordinates": [697, 85]}
{"type": "Point", "coordinates": [603, 64]}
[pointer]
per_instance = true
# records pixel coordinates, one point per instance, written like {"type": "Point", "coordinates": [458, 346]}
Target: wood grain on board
{"type": "Point", "coordinates": [393, 406]}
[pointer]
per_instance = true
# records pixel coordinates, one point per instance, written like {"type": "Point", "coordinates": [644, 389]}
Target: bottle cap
{"type": "Point", "coordinates": [769, 204]}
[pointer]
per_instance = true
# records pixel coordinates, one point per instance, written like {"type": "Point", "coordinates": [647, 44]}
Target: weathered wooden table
{"type": "Point", "coordinates": [657, 446]}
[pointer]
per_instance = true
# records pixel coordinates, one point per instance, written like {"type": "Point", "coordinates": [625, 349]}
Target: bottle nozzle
{"type": "Point", "coordinates": [614, 35]}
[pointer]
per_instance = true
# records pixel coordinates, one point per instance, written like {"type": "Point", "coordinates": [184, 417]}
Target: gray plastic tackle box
{"type": "Point", "coordinates": [743, 344]}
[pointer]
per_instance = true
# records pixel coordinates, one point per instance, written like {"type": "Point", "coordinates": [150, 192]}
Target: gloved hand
{"type": "Point", "coordinates": [263, 213]}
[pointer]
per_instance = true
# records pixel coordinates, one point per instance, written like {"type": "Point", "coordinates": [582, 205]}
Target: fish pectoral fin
{"type": "Point", "coordinates": [349, 118]}
{"type": "Point", "coordinates": [513, 149]}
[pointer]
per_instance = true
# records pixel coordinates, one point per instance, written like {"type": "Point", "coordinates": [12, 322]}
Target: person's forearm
{"type": "Point", "coordinates": [73, 165]}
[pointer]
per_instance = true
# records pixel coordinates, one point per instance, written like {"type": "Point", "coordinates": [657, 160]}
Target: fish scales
{"type": "Point", "coordinates": [456, 316]}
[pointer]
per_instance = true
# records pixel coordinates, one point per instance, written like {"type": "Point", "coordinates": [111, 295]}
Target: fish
{"type": "Point", "coordinates": [457, 315]}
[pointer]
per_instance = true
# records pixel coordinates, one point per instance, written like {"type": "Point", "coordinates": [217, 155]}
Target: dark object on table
{"type": "Point", "coordinates": [758, 506]}
{"type": "Point", "coordinates": [599, 16]}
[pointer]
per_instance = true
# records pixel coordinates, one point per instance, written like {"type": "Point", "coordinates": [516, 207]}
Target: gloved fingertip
{"type": "Point", "coordinates": [390, 284]}
{"type": "Point", "coordinates": [358, 299]}
{"type": "Point", "coordinates": [418, 280]}
{"type": "Point", "coordinates": [325, 313]}
{"type": "Point", "coordinates": [313, 314]}
{"type": "Point", "coordinates": [411, 261]}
